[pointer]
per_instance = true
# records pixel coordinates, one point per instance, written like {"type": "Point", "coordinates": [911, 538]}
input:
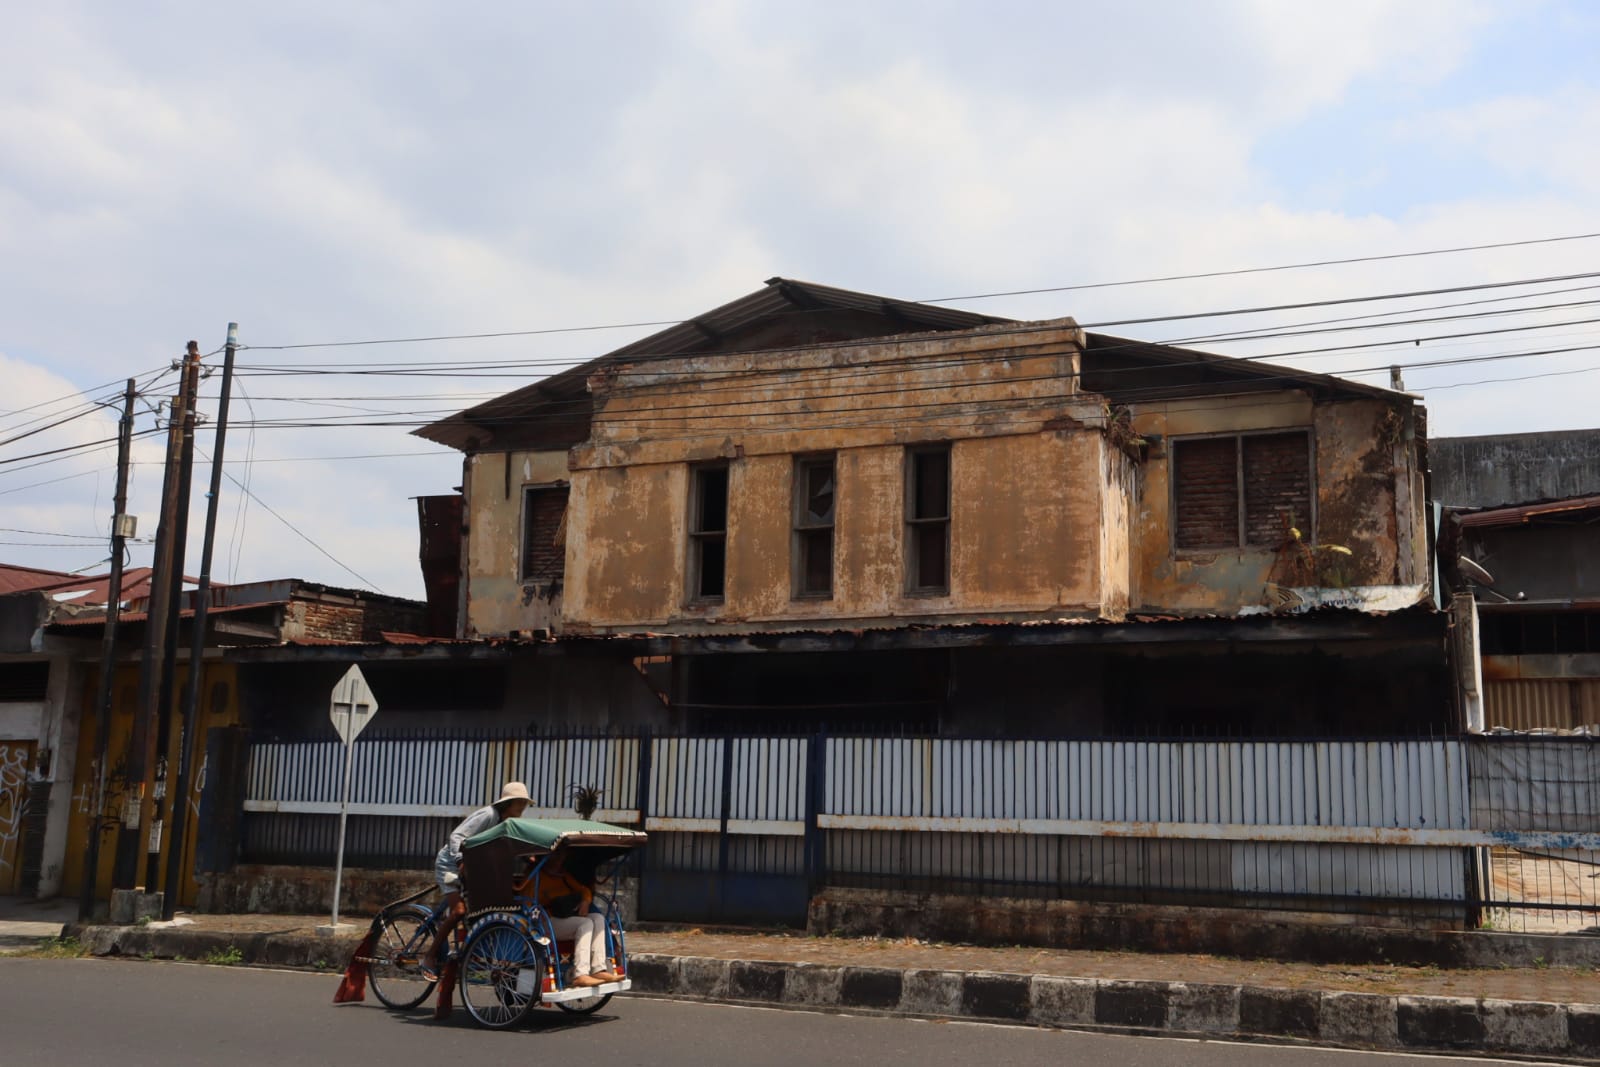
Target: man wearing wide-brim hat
{"type": "Point", "coordinates": [447, 865]}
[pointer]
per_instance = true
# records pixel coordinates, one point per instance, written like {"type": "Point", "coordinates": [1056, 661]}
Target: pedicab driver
{"type": "Point", "coordinates": [512, 803]}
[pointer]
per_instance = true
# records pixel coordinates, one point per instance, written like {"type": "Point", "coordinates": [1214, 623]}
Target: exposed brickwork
{"type": "Point", "coordinates": [1277, 489]}
{"type": "Point", "coordinates": [543, 546]}
{"type": "Point", "coordinates": [1277, 486]}
{"type": "Point", "coordinates": [1207, 498]}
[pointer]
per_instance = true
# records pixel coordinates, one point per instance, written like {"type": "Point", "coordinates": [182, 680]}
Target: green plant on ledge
{"type": "Point", "coordinates": [1308, 564]}
{"type": "Point", "coordinates": [225, 957]}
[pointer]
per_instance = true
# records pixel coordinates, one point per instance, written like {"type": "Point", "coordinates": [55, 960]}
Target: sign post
{"type": "Point", "coordinates": [351, 708]}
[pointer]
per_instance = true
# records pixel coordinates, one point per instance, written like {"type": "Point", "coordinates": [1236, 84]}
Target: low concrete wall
{"type": "Point", "coordinates": [1303, 937]}
{"type": "Point", "coordinates": [254, 888]}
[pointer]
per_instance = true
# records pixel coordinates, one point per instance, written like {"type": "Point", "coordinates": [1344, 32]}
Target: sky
{"type": "Point", "coordinates": [366, 171]}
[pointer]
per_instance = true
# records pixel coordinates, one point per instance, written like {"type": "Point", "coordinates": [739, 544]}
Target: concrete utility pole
{"type": "Point", "coordinates": [197, 642]}
{"type": "Point", "coordinates": [122, 528]}
{"type": "Point", "coordinates": [136, 798]}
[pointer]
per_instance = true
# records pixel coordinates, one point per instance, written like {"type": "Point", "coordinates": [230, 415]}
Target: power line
{"type": "Point", "coordinates": [501, 334]}
{"type": "Point", "coordinates": [295, 529]}
{"type": "Point", "coordinates": [1264, 270]}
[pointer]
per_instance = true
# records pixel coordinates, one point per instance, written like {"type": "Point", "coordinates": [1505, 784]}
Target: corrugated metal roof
{"type": "Point", "coordinates": [1522, 513]}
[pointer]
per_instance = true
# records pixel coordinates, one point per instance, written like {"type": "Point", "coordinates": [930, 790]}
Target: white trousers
{"type": "Point", "coordinates": [588, 935]}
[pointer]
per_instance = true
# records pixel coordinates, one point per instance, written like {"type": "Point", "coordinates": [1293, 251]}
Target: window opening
{"type": "Point", "coordinates": [814, 503]}
{"type": "Point", "coordinates": [544, 529]}
{"type": "Point", "coordinates": [708, 533]}
{"type": "Point", "coordinates": [928, 520]}
{"type": "Point", "coordinates": [1241, 490]}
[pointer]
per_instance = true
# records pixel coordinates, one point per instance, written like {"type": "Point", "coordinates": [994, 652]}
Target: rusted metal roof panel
{"type": "Point", "coordinates": [1571, 507]}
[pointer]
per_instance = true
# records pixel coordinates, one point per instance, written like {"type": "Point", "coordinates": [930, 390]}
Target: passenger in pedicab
{"type": "Point", "coordinates": [568, 898]}
{"type": "Point", "coordinates": [447, 865]}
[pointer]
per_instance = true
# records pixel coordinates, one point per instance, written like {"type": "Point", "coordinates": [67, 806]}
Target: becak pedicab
{"type": "Point", "coordinates": [507, 958]}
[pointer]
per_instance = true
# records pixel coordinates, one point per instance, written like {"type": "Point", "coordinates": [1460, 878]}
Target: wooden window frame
{"type": "Point", "coordinates": [698, 539]}
{"type": "Point", "coordinates": [913, 563]}
{"type": "Point", "coordinates": [801, 525]}
{"type": "Point", "coordinates": [1241, 543]}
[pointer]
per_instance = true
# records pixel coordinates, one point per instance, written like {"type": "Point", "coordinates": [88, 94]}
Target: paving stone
{"type": "Point", "coordinates": [1366, 1019]}
{"type": "Point", "coordinates": [1280, 1012]}
{"type": "Point", "coordinates": [1524, 1026]}
{"type": "Point", "coordinates": [1203, 1008]}
{"type": "Point", "coordinates": [756, 980]}
{"type": "Point", "coordinates": [698, 976]}
{"type": "Point", "coordinates": [996, 996]}
{"type": "Point", "coordinates": [1440, 1022]}
{"type": "Point", "coordinates": [931, 992]}
{"type": "Point", "coordinates": [870, 987]}
{"type": "Point", "coordinates": [813, 984]}
{"type": "Point", "coordinates": [1062, 1001]}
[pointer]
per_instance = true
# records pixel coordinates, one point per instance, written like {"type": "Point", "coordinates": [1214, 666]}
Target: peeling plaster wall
{"type": "Point", "coordinates": [1026, 482]}
{"type": "Point", "coordinates": [1355, 444]}
{"type": "Point", "coordinates": [497, 600]}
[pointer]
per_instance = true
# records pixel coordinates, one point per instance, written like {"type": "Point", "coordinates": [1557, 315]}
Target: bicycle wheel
{"type": "Point", "coordinates": [501, 973]}
{"type": "Point", "coordinates": [396, 968]}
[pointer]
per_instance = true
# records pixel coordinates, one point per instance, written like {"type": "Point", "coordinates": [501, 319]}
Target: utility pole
{"type": "Point", "coordinates": [141, 747]}
{"type": "Point", "coordinates": [197, 643]}
{"type": "Point", "coordinates": [121, 530]}
{"type": "Point", "coordinates": [158, 755]}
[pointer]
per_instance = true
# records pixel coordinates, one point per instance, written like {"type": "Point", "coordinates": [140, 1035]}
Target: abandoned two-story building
{"type": "Point", "coordinates": [815, 508]}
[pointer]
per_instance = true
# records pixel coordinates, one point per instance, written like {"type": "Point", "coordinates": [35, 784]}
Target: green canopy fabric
{"type": "Point", "coordinates": [545, 835]}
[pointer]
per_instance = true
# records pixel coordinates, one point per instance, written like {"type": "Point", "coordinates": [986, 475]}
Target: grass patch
{"type": "Point", "coordinates": [56, 948]}
{"type": "Point", "coordinates": [225, 957]}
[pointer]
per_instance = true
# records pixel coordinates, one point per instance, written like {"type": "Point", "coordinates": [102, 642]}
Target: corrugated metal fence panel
{"type": "Point", "coordinates": [1413, 784]}
{"type": "Point", "coordinates": [768, 779]}
{"type": "Point", "coordinates": [446, 773]}
{"type": "Point", "coordinates": [1521, 783]}
{"type": "Point", "coordinates": [1541, 703]}
{"type": "Point", "coordinates": [686, 777]}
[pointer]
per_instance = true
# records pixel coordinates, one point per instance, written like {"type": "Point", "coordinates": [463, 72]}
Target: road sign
{"type": "Point", "coordinates": [351, 708]}
{"type": "Point", "coordinates": [353, 704]}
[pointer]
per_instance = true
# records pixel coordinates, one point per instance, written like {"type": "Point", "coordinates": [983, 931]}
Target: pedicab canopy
{"type": "Point", "coordinates": [490, 860]}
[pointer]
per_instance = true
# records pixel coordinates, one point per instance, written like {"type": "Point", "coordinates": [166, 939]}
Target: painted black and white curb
{"type": "Point", "coordinates": [1357, 1020]}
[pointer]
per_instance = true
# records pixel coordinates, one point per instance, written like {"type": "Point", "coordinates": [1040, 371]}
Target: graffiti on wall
{"type": "Point", "coordinates": [14, 758]}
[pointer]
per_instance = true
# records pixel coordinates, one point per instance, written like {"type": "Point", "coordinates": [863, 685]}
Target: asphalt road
{"type": "Point", "coordinates": [71, 1013]}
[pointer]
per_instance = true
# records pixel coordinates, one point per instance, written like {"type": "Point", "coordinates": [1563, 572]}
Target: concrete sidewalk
{"type": "Point", "coordinates": [25, 922]}
{"type": "Point", "coordinates": [1547, 1012]}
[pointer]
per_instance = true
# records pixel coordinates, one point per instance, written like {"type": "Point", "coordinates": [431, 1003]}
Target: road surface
{"type": "Point", "coordinates": [131, 1013]}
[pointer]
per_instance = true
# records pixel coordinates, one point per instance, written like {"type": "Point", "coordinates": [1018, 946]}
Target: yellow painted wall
{"type": "Point", "coordinates": [218, 707]}
{"type": "Point", "coordinates": [497, 599]}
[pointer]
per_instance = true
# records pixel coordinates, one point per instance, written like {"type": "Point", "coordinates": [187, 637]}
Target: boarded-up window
{"type": "Point", "coordinates": [544, 548]}
{"type": "Point", "coordinates": [1244, 490]}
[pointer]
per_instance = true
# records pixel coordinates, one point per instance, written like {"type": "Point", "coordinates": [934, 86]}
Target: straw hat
{"type": "Point", "coordinates": [512, 791]}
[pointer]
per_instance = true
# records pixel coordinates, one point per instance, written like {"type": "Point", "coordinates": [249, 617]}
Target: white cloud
{"type": "Point", "coordinates": [322, 174]}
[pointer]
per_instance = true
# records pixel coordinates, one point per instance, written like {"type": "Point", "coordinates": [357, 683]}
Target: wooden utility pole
{"type": "Point", "coordinates": [121, 530]}
{"type": "Point", "coordinates": [156, 764]}
{"type": "Point", "coordinates": [136, 798]}
{"type": "Point", "coordinates": [197, 642]}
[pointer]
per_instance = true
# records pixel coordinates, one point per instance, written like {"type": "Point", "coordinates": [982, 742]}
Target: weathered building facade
{"type": "Point", "coordinates": [806, 464]}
